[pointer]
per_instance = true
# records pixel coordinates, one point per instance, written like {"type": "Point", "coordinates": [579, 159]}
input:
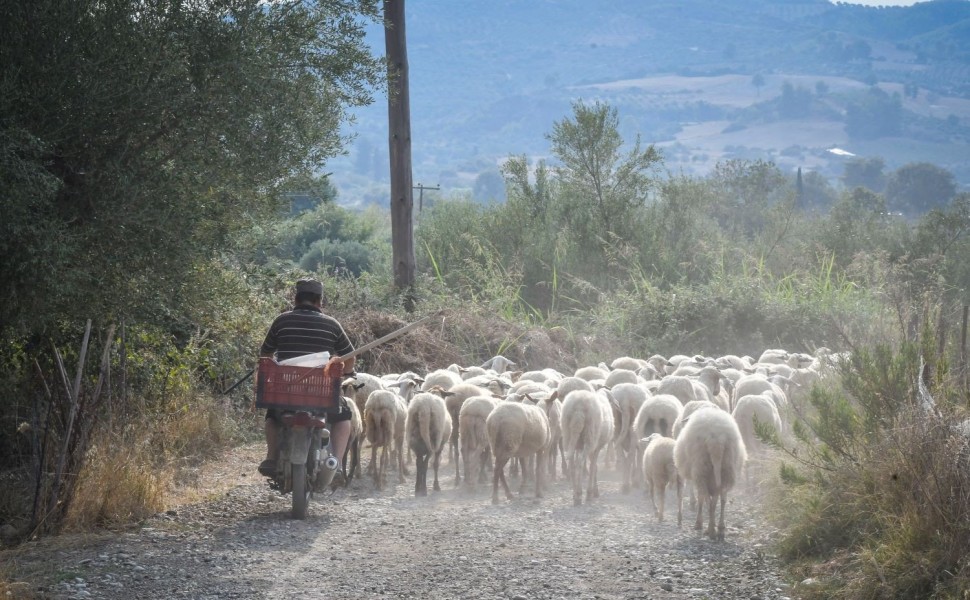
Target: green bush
{"type": "Point", "coordinates": [883, 486]}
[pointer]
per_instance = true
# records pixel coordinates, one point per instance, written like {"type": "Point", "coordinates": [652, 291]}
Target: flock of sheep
{"type": "Point", "coordinates": [665, 422]}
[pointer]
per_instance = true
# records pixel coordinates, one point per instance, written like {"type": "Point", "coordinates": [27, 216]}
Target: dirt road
{"type": "Point", "coordinates": [360, 543]}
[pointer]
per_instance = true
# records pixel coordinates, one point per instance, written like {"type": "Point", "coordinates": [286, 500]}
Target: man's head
{"type": "Point", "coordinates": [309, 291]}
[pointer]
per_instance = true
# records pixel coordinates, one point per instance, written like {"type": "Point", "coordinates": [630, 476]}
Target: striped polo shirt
{"type": "Point", "coordinates": [305, 330]}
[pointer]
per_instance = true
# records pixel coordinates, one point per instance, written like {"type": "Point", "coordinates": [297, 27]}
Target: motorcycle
{"type": "Point", "coordinates": [303, 395]}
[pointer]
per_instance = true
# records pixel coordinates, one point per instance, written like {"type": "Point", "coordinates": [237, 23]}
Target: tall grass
{"type": "Point", "coordinates": [136, 461]}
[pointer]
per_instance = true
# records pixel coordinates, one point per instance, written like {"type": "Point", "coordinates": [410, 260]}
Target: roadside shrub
{"type": "Point", "coordinates": [879, 506]}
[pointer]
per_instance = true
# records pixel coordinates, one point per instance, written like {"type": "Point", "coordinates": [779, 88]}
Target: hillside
{"type": "Point", "coordinates": [489, 79]}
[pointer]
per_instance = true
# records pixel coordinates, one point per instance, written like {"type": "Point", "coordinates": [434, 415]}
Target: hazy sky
{"type": "Point", "coordinates": [885, 2]}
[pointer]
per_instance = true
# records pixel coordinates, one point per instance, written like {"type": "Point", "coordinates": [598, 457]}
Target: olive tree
{"type": "Point", "coordinates": [603, 190]}
{"type": "Point", "coordinates": [137, 138]}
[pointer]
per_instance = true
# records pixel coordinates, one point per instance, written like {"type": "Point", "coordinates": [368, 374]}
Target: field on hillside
{"type": "Point", "coordinates": [791, 143]}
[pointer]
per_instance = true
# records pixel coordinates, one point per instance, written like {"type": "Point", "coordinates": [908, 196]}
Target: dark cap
{"type": "Point", "coordinates": [310, 286]}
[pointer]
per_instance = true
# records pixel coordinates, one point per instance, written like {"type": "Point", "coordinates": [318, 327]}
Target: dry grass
{"type": "Point", "coordinates": [466, 337]}
{"type": "Point", "coordinates": [132, 472]}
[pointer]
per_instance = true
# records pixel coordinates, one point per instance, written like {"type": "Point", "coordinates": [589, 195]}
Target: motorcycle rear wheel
{"type": "Point", "coordinates": [301, 491]}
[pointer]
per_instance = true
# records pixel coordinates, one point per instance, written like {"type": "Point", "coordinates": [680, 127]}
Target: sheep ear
{"type": "Point", "coordinates": [554, 395]}
{"type": "Point", "coordinates": [357, 386]}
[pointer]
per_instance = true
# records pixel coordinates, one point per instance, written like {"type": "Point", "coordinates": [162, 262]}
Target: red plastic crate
{"type": "Point", "coordinates": [296, 388]}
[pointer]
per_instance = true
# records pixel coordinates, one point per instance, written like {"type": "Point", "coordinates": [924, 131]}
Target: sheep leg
{"type": "Point", "coordinates": [372, 465]}
{"type": "Point", "coordinates": [401, 469]}
{"type": "Point", "coordinates": [375, 461]}
{"type": "Point", "coordinates": [421, 477]}
{"type": "Point", "coordinates": [483, 460]}
{"type": "Point", "coordinates": [562, 452]}
{"type": "Point", "coordinates": [457, 474]}
{"type": "Point", "coordinates": [576, 476]}
{"type": "Point", "coordinates": [540, 455]}
{"type": "Point", "coordinates": [468, 457]}
{"type": "Point", "coordinates": [720, 525]}
{"type": "Point", "coordinates": [699, 523]}
{"type": "Point", "coordinates": [526, 466]}
{"type": "Point", "coordinates": [381, 469]}
{"type": "Point", "coordinates": [593, 489]}
{"type": "Point", "coordinates": [437, 463]}
{"type": "Point", "coordinates": [711, 514]}
{"type": "Point", "coordinates": [663, 500]}
{"type": "Point", "coordinates": [680, 501]}
{"type": "Point", "coordinates": [498, 475]}
{"type": "Point", "coordinates": [627, 462]}
{"type": "Point", "coordinates": [354, 462]}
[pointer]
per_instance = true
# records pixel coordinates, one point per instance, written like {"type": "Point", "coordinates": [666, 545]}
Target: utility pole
{"type": "Point", "coordinates": [421, 189]}
{"type": "Point", "coordinates": [399, 144]}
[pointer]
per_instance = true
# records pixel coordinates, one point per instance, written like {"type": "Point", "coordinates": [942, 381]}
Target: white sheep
{"type": "Point", "coordinates": [552, 406]}
{"type": "Point", "coordinates": [659, 363]}
{"type": "Point", "coordinates": [755, 384]}
{"type": "Point", "coordinates": [626, 399]}
{"type": "Point", "coordinates": [569, 384]}
{"type": "Point", "coordinates": [629, 363]}
{"type": "Point", "coordinates": [587, 426]}
{"type": "Point", "coordinates": [591, 373]}
{"type": "Point", "coordinates": [517, 431]}
{"type": "Point", "coordinates": [657, 415]}
{"type": "Point", "coordinates": [384, 414]}
{"type": "Point", "coordinates": [710, 453]}
{"type": "Point", "coordinates": [428, 429]}
{"type": "Point", "coordinates": [496, 384]}
{"type": "Point", "coordinates": [442, 378]}
{"type": "Point", "coordinates": [360, 387]}
{"type": "Point", "coordinates": [454, 398]}
{"type": "Point", "coordinates": [618, 376]}
{"type": "Point", "coordinates": [525, 386]}
{"type": "Point", "coordinates": [354, 442]}
{"type": "Point", "coordinates": [659, 470]}
{"type": "Point", "coordinates": [749, 408]}
{"type": "Point", "coordinates": [472, 436]}
{"type": "Point", "coordinates": [681, 387]}
{"type": "Point", "coordinates": [536, 376]}
{"type": "Point", "coordinates": [774, 356]}
{"type": "Point", "coordinates": [499, 364]}
{"type": "Point", "coordinates": [689, 409]}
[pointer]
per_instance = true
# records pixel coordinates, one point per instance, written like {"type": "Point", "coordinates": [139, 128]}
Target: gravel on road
{"type": "Point", "coordinates": [240, 542]}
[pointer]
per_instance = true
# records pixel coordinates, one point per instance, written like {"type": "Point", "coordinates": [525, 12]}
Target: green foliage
{"type": "Point", "coordinates": [746, 190]}
{"type": "Point", "coordinates": [874, 115]}
{"type": "Point", "coordinates": [859, 222]}
{"type": "Point", "coordinates": [881, 485]}
{"type": "Point", "coordinates": [865, 172]}
{"type": "Point", "coordinates": [171, 128]}
{"type": "Point", "coordinates": [795, 102]}
{"type": "Point", "coordinates": [916, 188]}
{"type": "Point", "coordinates": [602, 192]}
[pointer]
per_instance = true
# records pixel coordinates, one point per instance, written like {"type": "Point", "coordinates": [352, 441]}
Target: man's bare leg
{"type": "Point", "coordinates": [339, 437]}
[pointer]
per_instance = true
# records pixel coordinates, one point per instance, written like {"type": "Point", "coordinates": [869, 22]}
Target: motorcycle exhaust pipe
{"type": "Point", "coordinates": [326, 472]}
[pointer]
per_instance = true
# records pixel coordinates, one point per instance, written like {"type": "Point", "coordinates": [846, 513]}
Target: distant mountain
{"type": "Point", "coordinates": [489, 79]}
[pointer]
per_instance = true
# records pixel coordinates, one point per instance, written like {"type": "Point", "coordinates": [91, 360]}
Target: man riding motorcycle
{"type": "Point", "coordinates": [307, 330]}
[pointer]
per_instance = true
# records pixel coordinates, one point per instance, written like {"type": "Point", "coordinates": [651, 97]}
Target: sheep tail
{"type": "Point", "coordinates": [717, 458]}
{"type": "Point", "coordinates": [424, 426]}
{"type": "Point", "coordinates": [384, 426]}
{"type": "Point", "coordinates": [573, 430]}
